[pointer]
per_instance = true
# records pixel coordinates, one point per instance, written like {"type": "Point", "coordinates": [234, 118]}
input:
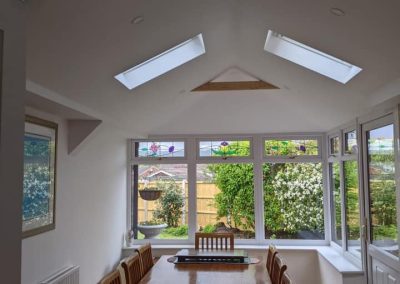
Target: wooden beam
{"type": "Point", "coordinates": [234, 86]}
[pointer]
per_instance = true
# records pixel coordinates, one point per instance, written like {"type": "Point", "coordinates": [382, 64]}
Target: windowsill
{"type": "Point", "coordinates": [337, 260]}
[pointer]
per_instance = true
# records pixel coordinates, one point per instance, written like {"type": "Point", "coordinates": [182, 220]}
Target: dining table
{"type": "Point", "coordinates": [166, 272]}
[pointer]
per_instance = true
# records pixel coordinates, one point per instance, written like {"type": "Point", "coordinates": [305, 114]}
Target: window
{"type": "Point", "coordinates": [353, 223]}
{"type": "Point", "coordinates": [224, 148]}
{"type": "Point", "coordinates": [334, 146]}
{"type": "Point", "coordinates": [336, 203]}
{"type": "Point", "coordinates": [223, 187]}
{"type": "Point", "coordinates": [162, 63]}
{"type": "Point", "coordinates": [162, 198]}
{"type": "Point", "coordinates": [225, 199]}
{"type": "Point", "coordinates": [310, 58]}
{"type": "Point", "coordinates": [350, 142]}
{"type": "Point", "coordinates": [290, 148]}
{"type": "Point", "coordinates": [159, 149]}
{"type": "Point", "coordinates": [293, 201]}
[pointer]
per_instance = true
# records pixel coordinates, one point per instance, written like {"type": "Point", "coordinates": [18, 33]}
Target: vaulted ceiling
{"type": "Point", "coordinates": [75, 48]}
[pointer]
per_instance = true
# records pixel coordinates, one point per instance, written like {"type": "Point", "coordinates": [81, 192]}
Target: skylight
{"type": "Point", "coordinates": [310, 58]}
{"type": "Point", "coordinates": [162, 63]}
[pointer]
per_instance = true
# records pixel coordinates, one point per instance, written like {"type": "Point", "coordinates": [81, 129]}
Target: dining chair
{"type": "Point", "coordinates": [278, 267]}
{"type": "Point", "coordinates": [270, 258]}
{"type": "Point", "coordinates": [146, 258]}
{"type": "Point", "coordinates": [113, 277]}
{"type": "Point", "coordinates": [214, 241]}
{"type": "Point", "coordinates": [132, 267]}
{"type": "Point", "coordinates": [286, 278]}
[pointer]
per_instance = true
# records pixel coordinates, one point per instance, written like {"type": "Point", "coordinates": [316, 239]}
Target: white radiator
{"type": "Point", "coordinates": [67, 275]}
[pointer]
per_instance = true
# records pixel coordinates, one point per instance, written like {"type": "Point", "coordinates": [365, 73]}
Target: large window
{"type": "Point", "coordinates": [162, 192]}
{"type": "Point", "coordinates": [293, 201]}
{"type": "Point", "coordinates": [225, 199]}
{"type": "Point", "coordinates": [218, 184]}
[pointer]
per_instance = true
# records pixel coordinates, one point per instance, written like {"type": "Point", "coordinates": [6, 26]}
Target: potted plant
{"type": "Point", "coordinates": [151, 229]}
{"type": "Point", "coordinates": [150, 193]}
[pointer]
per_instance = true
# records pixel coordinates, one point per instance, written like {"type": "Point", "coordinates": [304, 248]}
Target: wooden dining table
{"type": "Point", "coordinates": [208, 273]}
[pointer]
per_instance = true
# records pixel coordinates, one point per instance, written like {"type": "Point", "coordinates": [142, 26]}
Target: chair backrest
{"type": "Point", "coordinates": [146, 258]}
{"type": "Point", "coordinates": [112, 278]}
{"type": "Point", "coordinates": [214, 241]}
{"type": "Point", "coordinates": [278, 267]}
{"type": "Point", "coordinates": [133, 269]}
{"type": "Point", "coordinates": [286, 278]}
{"type": "Point", "coordinates": [270, 258]}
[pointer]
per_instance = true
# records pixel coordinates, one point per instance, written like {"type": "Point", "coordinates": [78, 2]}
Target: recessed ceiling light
{"type": "Point", "coordinates": [337, 12]}
{"type": "Point", "coordinates": [162, 63]}
{"type": "Point", "coordinates": [310, 58]}
{"type": "Point", "coordinates": [137, 20]}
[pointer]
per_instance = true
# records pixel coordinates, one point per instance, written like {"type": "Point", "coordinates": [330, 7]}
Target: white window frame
{"type": "Point", "coordinates": [257, 158]}
{"type": "Point", "coordinates": [341, 158]}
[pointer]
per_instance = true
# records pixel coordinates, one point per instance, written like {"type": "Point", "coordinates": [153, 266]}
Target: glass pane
{"type": "Point", "coordinates": [160, 149]}
{"type": "Point", "coordinates": [337, 204]}
{"type": "Point", "coordinates": [162, 211]}
{"type": "Point", "coordinates": [335, 145]}
{"type": "Point", "coordinates": [237, 148]}
{"type": "Point", "coordinates": [350, 141]}
{"type": "Point", "coordinates": [293, 201]}
{"type": "Point", "coordinates": [291, 147]}
{"type": "Point", "coordinates": [225, 199]}
{"type": "Point", "coordinates": [38, 180]}
{"type": "Point", "coordinates": [382, 188]}
{"type": "Point", "coordinates": [352, 207]}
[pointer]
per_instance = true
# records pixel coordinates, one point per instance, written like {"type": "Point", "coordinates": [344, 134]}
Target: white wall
{"type": "Point", "coordinates": [90, 209]}
{"type": "Point", "coordinates": [12, 22]}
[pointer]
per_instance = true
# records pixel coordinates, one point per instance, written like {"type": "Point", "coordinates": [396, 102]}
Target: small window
{"type": "Point", "coordinates": [336, 206]}
{"type": "Point", "coordinates": [350, 142]}
{"type": "Point", "coordinates": [303, 147]}
{"type": "Point", "coordinates": [224, 148]}
{"type": "Point", "coordinates": [159, 149]}
{"type": "Point", "coordinates": [334, 145]}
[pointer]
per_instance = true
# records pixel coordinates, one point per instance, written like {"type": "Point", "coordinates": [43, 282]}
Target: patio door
{"type": "Point", "coordinates": [380, 164]}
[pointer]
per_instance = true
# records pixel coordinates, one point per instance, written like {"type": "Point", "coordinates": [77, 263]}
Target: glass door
{"type": "Point", "coordinates": [379, 157]}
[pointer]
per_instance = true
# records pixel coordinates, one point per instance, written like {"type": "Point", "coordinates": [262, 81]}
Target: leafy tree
{"type": "Point", "coordinates": [170, 203]}
{"type": "Point", "coordinates": [235, 201]}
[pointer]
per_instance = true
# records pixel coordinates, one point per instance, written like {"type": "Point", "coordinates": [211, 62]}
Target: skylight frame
{"type": "Point", "coordinates": [310, 58]}
{"type": "Point", "coordinates": [162, 63]}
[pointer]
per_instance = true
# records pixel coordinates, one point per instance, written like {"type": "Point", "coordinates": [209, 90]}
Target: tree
{"type": "Point", "coordinates": [235, 201]}
{"type": "Point", "coordinates": [170, 203]}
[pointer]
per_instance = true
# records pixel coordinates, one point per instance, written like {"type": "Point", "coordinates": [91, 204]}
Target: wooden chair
{"type": "Point", "coordinates": [208, 240]}
{"type": "Point", "coordinates": [270, 258]}
{"type": "Point", "coordinates": [278, 267]}
{"type": "Point", "coordinates": [286, 278]}
{"type": "Point", "coordinates": [112, 278]}
{"type": "Point", "coordinates": [146, 258]}
{"type": "Point", "coordinates": [133, 269]}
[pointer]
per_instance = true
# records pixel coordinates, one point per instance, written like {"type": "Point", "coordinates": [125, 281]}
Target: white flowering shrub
{"type": "Point", "coordinates": [299, 192]}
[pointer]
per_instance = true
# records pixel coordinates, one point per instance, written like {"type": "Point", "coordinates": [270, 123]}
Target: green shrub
{"type": "Point", "coordinates": [209, 228]}
{"type": "Point", "coordinates": [177, 232]}
{"type": "Point", "coordinates": [170, 204]}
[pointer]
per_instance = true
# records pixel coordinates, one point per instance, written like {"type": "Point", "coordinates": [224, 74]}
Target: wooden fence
{"type": "Point", "coordinates": [206, 210]}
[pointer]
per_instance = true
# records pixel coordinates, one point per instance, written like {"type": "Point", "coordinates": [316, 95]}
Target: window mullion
{"type": "Point", "coordinates": [258, 150]}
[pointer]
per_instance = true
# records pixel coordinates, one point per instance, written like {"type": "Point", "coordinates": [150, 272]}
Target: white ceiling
{"type": "Point", "coordinates": [76, 47]}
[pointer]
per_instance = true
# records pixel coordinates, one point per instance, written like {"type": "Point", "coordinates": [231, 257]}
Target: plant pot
{"type": "Point", "coordinates": [150, 194]}
{"type": "Point", "coordinates": [151, 231]}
